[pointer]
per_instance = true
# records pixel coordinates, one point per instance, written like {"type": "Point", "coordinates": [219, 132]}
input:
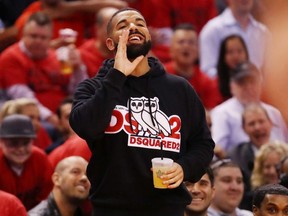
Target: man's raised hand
{"type": "Point", "coordinates": [122, 63]}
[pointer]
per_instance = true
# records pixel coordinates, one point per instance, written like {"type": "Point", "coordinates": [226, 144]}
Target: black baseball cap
{"type": "Point", "coordinates": [17, 126]}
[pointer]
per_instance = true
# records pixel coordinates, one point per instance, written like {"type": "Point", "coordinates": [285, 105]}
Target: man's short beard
{"type": "Point", "coordinates": [76, 200]}
{"type": "Point", "coordinates": [135, 50]}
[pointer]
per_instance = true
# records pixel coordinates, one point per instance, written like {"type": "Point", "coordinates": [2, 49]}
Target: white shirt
{"type": "Point", "coordinates": [255, 36]}
{"type": "Point", "coordinates": [238, 212]}
{"type": "Point", "coordinates": [227, 131]}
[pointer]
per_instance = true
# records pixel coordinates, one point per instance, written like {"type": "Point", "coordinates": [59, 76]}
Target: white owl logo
{"type": "Point", "coordinates": [151, 120]}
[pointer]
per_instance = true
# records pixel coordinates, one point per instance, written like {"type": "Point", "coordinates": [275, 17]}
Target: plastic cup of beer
{"type": "Point", "coordinates": [68, 36]}
{"type": "Point", "coordinates": [159, 166]}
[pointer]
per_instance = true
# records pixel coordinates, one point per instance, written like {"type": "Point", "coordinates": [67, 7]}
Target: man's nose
{"type": "Point", "coordinates": [84, 178]}
{"type": "Point", "coordinates": [132, 27]}
{"type": "Point", "coordinates": [234, 185]}
{"type": "Point", "coordinates": [195, 189]}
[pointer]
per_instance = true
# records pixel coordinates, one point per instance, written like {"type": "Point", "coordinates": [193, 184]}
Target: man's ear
{"type": "Point", "coordinates": [255, 210]}
{"type": "Point", "coordinates": [110, 44]}
{"type": "Point", "coordinates": [213, 192]}
{"type": "Point", "coordinates": [56, 179]}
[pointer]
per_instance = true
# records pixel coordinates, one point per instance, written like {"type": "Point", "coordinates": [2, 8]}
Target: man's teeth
{"type": "Point", "coordinates": [135, 38]}
{"type": "Point", "coordinates": [197, 199]}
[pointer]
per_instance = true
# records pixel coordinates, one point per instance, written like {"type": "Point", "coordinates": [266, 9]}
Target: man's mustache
{"type": "Point", "coordinates": [131, 32]}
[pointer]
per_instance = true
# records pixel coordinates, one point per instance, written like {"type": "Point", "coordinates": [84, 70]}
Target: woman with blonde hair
{"type": "Point", "coordinates": [7, 108]}
{"type": "Point", "coordinates": [265, 164]}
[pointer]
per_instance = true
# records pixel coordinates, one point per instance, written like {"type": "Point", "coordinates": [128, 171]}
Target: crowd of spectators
{"type": "Point", "coordinates": [219, 46]}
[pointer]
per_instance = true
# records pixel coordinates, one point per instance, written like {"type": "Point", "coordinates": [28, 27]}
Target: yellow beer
{"type": "Point", "coordinates": [158, 182]}
{"type": "Point", "coordinates": [160, 165]}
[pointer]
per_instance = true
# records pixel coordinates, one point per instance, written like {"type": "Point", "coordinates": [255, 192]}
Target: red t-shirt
{"type": "Point", "coordinates": [205, 87]}
{"type": "Point", "coordinates": [43, 139]}
{"type": "Point", "coordinates": [74, 146]}
{"type": "Point", "coordinates": [42, 76]}
{"type": "Point", "coordinates": [79, 22]}
{"type": "Point", "coordinates": [34, 184]}
{"type": "Point", "coordinates": [91, 57]}
{"type": "Point", "coordinates": [11, 205]}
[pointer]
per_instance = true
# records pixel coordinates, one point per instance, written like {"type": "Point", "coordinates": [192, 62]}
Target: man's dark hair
{"type": "Point", "coordinates": [184, 26]}
{"type": "Point", "coordinates": [261, 192]}
{"type": "Point", "coordinates": [210, 174]}
{"type": "Point", "coordinates": [40, 18]}
{"type": "Point", "coordinates": [67, 100]}
{"type": "Point", "coordinates": [109, 25]}
{"type": "Point", "coordinates": [222, 67]}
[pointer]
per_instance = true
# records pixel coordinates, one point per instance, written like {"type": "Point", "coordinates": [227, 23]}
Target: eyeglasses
{"type": "Point", "coordinates": [220, 163]}
{"type": "Point", "coordinates": [279, 166]}
{"type": "Point", "coordinates": [17, 142]}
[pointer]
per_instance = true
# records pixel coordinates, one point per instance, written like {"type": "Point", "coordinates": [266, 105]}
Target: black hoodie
{"type": "Point", "coordinates": [146, 111]}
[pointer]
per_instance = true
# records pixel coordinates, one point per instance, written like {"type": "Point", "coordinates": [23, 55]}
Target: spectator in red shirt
{"type": "Point", "coordinates": [26, 171]}
{"type": "Point", "coordinates": [30, 69]}
{"type": "Point", "coordinates": [65, 131]}
{"type": "Point", "coordinates": [184, 53]}
{"type": "Point", "coordinates": [77, 15]}
{"type": "Point", "coordinates": [94, 51]}
{"type": "Point", "coordinates": [28, 107]}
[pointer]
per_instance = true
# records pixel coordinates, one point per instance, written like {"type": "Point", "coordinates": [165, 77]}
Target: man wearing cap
{"type": "Point", "coordinates": [27, 171]}
{"type": "Point", "coordinates": [246, 87]}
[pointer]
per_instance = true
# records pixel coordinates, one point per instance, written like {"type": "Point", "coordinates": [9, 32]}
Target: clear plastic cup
{"type": "Point", "coordinates": [69, 36]}
{"type": "Point", "coordinates": [159, 166]}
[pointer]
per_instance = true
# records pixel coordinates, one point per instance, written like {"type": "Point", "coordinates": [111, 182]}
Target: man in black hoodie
{"type": "Point", "coordinates": [131, 112]}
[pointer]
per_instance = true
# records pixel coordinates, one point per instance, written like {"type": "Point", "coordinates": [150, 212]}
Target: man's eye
{"type": "Point", "coordinates": [271, 210]}
{"type": "Point", "coordinates": [285, 211]}
{"type": "Point", "coordinates": [204, 183]}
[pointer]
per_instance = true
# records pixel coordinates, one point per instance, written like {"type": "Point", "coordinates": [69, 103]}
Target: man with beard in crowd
{"type": "Point", "coordinates": [71, 189]}
{"type": "Point", "coordinates": [127, 115]}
